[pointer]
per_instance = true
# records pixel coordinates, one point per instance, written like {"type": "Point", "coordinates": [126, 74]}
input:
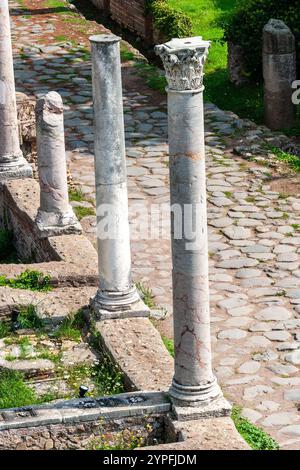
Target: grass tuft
{"type": "Point", "coordinates": [31, 280]}
{"type": "Point", "coordinates": [254, 436]}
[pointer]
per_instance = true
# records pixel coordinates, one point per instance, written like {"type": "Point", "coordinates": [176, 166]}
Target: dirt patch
{"type": "Point", "coordinates": [286, 185]}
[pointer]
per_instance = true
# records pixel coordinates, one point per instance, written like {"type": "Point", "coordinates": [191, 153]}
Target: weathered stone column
{"type": "Point", "coordinates": [194, 390]}
{"type": "Point", "coordinates": [117, 297]}
{"type": "Point", "coordinates": [12, 162]}
{"type": "Point", "coordinates": [279, 70]}
{"type": "Point", "coordinates": [55, 216]}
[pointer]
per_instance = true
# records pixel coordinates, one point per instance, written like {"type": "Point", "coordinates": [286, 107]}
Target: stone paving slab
{"type": "Point", "coordinates": [253, 229]}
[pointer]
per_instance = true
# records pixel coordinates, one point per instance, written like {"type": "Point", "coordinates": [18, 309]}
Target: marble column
{"type": "Point", "coordinates": [279, 71]}
{"type": "Point", "coordinates": [12, 162]}
{"type": "Point", "coordinates": [194, 390]}
{"type": "Point", "coordinates": [117, 296]}
{"type": "Point", "coordinates": [55, 215]}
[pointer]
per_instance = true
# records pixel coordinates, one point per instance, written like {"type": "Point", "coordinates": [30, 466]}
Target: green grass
{"type": "Point", "coordinates": [76, 194]}
{"type": "Point", "coordinates": [70, 328]}
{"type": "Point", "coordinates": [4, 329]}
{"type": "Point", "coordinates": [254, 436]}
{"type": "Point", "coordinates": [55, 4]}
{"type": "Point", "coordinates": [61, 38]}
{"type": "Point", "coordinates": [14, 391]}
{"type": "Point", "coordinates": [246, 100]}
{"type": "Point", "coordinates": [82, 212]}
{"type": "Point", "coordinates": [169, 344]}
{"type": "Point", "coordinates": [146, 294]}
{"type": "Point", "coordinates": [291, 160]}
{"type": "Point", "coordinates": [28, 318]}
{"type": "Point", "coordinates": [124, 440]}
{"type": "Point", "coordinates": [31, 280]}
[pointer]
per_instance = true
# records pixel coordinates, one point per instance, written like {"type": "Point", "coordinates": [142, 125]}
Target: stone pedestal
{"type": "Point", "coordinates": [279, 71]}
{"type": "Point", "coordinates": [12, 162]}
{"type": "Point", "coordinates": [117, 297]}
{"type": "Point", "coordinates": [194, 388]}
{"type": "Point", "coordinates": [55, 216]}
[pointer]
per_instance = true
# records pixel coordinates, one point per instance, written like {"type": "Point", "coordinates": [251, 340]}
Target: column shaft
{"type": "Point", "coordinates": [12, 163]}
{"type": "Point", "coordinates": [190, 266]}
{"type": "Point", "coordinates": [116, 292]}
{"type": "Point", "coordinates": [55, 215]}
{"type": "Point", "coordinates": [194, 386]}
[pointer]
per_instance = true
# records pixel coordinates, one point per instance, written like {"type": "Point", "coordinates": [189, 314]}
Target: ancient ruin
{"type": "Point", "coordinates": [110, 339]}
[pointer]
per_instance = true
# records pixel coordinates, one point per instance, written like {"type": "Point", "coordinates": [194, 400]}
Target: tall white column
{"type": "Point", "coordinates": [12, 162]}
{"type": "Point", "coordinates": [55, 216]}
{"type": "Point", "coordinates": [194, 384]}
{"type": "Point", "coordinates": [117, 296]}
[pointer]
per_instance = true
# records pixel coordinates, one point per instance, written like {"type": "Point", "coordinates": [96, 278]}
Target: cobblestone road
{"type": "Point", "coordinates": [254, 231]}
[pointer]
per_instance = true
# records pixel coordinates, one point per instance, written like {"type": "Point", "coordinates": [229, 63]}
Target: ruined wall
{"type": "Point", "coordinates": [129, 14]}
{"type": "Point", "coordinates": [78, 435]}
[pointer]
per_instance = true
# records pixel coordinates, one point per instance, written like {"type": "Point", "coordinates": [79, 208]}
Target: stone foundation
{"type": "Point", "coordinates": [68, 259]}
{"type": "Point", "coordinates": [68, 425]}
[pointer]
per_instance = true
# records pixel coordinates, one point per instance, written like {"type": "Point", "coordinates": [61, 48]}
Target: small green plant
{"type": "Point", "coordinates": [14, 392]}
{"type": "Point", "coordinates": [107, 377]}
{"type": "Point", "coordinates": [256, 437]}
{"type": "Point", "coordinates": [125, 440]}
{"type": "Point", "coordinates": [4, 329]}
{"type": "Point", "coordinates": [126, 55]}
{"type": "Point", "coordinates": [291, 160]}
{"type": "Point", "coordinates": [82, 212]}
{"type": "Point", "coordinates": [61, 38]}
{"type": "Point", "coordinates": [172, 22]}
{"type": "Point", "coordinates": [31, 280]}
{"type": "Point", "coordinates": [169, 344]}
{"type": "Point", "coordinates": [76, 194]}
{"type": "Point", "coordinates": [43, 353]}
{"type": "Point", "coordinates": [69, 329]}
{"type": "Point", "coordinates": [146, 294]}
{"type": "Point", "coordinates": [28, 318]}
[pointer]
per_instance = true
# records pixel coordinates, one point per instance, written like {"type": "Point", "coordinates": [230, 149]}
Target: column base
{"type": "Point", "coordinates": [112, 305]}
{"type": "Point", "coordinates": [18, 168]}
{"type": "Point", "coordinates": [52, 224]}
{"type": "Point", "coordinates": [216, 408]}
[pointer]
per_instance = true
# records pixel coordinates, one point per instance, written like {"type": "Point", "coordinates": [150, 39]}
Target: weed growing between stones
{"type": "Point", "coordinates": [28, 318]}
{"type": "Point", "coordinates": [4, 329]}
{"type": "Point", "coordinates": [70, 328]}
{"type": "Point", "coordinates": [169, 344]}
{"type": "Point", "coordinates": [31, 280]}
{"type": "Point", "coordinates": [291, 160]}
{"type": "Point", "coordinates": [83, 212]}
{"type": "Point", "coordinates": [108, 378]}
{"type": "Point", "coordinates": [125, 440]}
{"type": "Point", "coordinates": [254, 436]}
{"type": "Point", "coordinates": [76, 194]}
{"type": "Point", "coordinates": [146, 294]}
{"type": "Point", "coordinates": [14, 391]}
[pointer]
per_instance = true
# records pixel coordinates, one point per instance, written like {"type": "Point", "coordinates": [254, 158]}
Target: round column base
{"type": "Point", "coordinates": [187, 395]}
{"type": "Point", "coordinates": [51, 224]}
{"type": "Point", "coordinates": [14, 168]}
{"type": "Point", "coordinates": [109, 305]}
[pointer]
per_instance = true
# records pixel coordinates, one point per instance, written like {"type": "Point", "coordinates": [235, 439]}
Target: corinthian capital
{"type": "Point", "coordinates": [183, 60]}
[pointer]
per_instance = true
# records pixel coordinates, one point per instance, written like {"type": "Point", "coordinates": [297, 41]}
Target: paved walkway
{"type": "Point", "coordinates": [254, 231]}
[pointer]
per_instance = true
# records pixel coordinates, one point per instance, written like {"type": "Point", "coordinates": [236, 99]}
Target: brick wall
{"type": "Point", "coordinates": [129, 14]}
